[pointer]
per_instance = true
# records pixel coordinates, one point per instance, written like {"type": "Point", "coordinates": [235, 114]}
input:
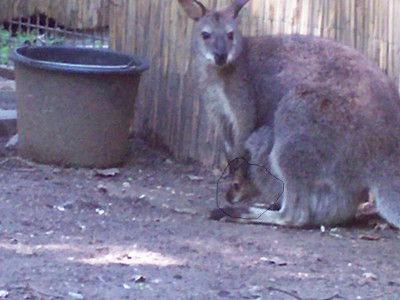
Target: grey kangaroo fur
{"type": "Point", "coordinates": [334, 115]}
{"type": "Point", "coordinates": [252, 179]}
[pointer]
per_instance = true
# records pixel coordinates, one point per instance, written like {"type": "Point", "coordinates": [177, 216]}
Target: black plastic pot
{"type": "Point", "coordinates": [75, 105]}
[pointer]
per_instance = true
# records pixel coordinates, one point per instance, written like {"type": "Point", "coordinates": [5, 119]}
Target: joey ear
{"type": "Point", "coordinates": [236, 7]}
{"type": "Point", "coordinates": [193, 8]}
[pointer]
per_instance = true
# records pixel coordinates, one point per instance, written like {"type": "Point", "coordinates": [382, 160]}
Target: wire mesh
{"type": "Point", "coordinates": [41, 30]}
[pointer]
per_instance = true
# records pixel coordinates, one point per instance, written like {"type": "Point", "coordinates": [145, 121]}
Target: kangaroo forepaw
{"type": "Point", "coordinates": [236, 214]}
{"type": "Point", "coordinates": [229, 214]}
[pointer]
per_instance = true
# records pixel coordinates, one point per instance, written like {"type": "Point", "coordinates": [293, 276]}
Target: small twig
{"type": "Point", "coordinates": [377, 296]}
{"type": "Point", "coordinates": [336, 295]}
{"type": "Point", "coordinates": [30, 289]}
{"type": "Point", "coordinates": [30, 164]}
{"type": "Point", "coordinates": [295, 296]}
{"type": "Point", "coordinates": [285, 292]}
{"type": "Point", "coordinates": [4, 161]}
{"type": "Point", "coordinates": [52, 296]}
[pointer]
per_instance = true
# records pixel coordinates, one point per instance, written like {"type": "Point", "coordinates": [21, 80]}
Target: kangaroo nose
{"type": "Point", "coordinates": [220, 59]}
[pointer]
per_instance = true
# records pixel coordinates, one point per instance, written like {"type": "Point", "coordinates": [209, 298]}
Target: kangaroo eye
{"type": "Point", "coordinates": [236, 186]}
{"type": "Point", "coordinates": [206, 35]}
{"type": "Point", "coordinates": [230, 35]}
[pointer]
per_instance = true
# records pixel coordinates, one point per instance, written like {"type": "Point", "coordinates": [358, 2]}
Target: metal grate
{"type": "Point", "coordinates": [40, 30]}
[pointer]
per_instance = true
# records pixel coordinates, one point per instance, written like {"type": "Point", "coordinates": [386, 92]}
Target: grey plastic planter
{"type": "Point", "coordinates": [75, 105]}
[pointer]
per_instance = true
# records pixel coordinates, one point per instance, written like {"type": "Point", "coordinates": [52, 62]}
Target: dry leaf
{"type": "Point", "coordinates": [107, 172]}
{"type": "Point", "coordinates": [138, 278]}
{"type": "Point", "coordinates": [102, 188]}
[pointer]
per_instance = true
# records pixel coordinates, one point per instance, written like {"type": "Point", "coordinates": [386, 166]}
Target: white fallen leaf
{"type": "Point", "coordinates": [186, 211]}
{"type": "Point", "coordinates": [100, 211]}
{"type": "Point", "coordinates": [12, 143]}
{"type": "Point", "coordinates": [369, 275]}
{"type": "Point", "coordinates": [126, 286]}
{"type": "Point", "coordinates": [81, 226]}
{"type": "Point", "coordinates": [107, 172]}
{"type": "Point", "coordinates": [249, 294]}
{"type": "Point", "coordinates": [126, 184]}
{"type": "Point", "coordinates": [61, 208]}
{"type": "Point", "coordinates": [336, 235]}
{"type": "Point", "coordinates": [66, 205]}
{"type": "Point", "coordinates": [4, 293]}
{"type": "Point", "coordinates": [76, 295]}
{"type": "Point", "coordinates": [274, 260]}
{"type": "Point", "coordinates": [168, 161]}
{"type": "Point", "coordinates": [195, 178]}
{"type": "Point", "coordinates": [57, 170]}
{"type": "Point", "coordinates": [216, 172]}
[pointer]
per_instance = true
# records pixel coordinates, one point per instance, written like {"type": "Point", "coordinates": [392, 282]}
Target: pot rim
{"type": "Point", "coordinates": [133, 64]}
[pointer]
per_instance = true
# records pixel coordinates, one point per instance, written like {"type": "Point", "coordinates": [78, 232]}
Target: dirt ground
{"type": "Point", "coordinates": [143, 232]}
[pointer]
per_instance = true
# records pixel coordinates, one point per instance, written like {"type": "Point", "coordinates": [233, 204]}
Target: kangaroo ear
{"type": "Point", "coordinates": [236, 7]}
{"type": "Point", "coordinates": [194, 9]}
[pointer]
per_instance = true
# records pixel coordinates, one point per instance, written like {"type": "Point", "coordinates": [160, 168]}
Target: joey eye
{"type": "Point", "coordinates": [236, 186]}
{"type": "Point", "coordinates": [206, 35]}
{"type": "Point", "coordinates": [230, 35]}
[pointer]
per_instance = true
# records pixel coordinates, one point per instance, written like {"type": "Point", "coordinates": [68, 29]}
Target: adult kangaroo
{"type": "Point", "coordinates": [334, 117]}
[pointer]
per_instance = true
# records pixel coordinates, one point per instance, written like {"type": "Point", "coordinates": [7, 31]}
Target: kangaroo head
{"type": "Point", "coordinates": [217, 36]}
{"type": "Point", "coordinates": [241, 188]}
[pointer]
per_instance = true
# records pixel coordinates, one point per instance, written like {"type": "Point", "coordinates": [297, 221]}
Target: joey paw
{"type": "Point", "coordinates": [229, 214]}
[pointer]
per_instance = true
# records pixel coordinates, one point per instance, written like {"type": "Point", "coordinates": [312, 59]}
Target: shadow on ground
{"type": "Point", "coordinates": [142, 232]}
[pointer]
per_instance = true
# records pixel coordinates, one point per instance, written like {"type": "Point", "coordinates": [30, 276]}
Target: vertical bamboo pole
{"type": "Point", "coordinates": [169, 107]}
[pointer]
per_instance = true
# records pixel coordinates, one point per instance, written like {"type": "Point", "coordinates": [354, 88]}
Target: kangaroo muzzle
{"type": "Point", "coordinates": [221, 52]}
{"type": "Point", "coordinates": [220, 59]}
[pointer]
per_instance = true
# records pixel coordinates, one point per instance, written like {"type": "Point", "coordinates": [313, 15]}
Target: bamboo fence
{"type": "Point", "coordinates": [79, 14]}
{"type": "Point", "coordinates": [168, 109]}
